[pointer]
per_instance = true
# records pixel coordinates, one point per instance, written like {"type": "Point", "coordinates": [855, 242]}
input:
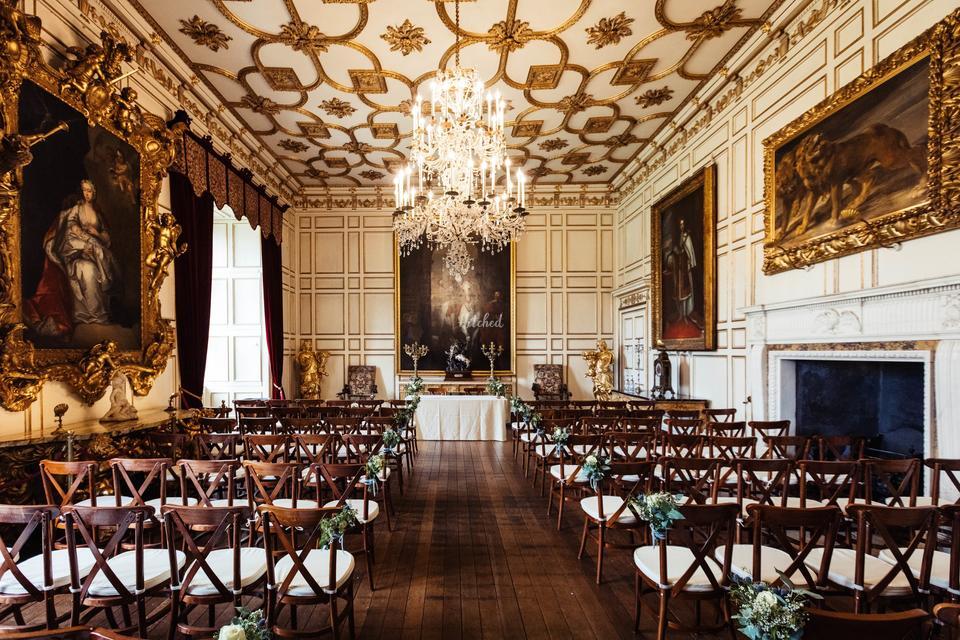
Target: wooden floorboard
{"type": "Point", "coordinates": [474, 555]}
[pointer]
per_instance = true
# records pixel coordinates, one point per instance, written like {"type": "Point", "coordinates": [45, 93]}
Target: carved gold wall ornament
{"type": "Point", "coordinates": [87, 84]}
{"type": "Point", "coordinates": [205, 34]}
{"type": "Point", "coordinates": [600, 370]}
{"type": "Point", "coordinates": [795, 233]}
{"type": "Point", "coordinates": [313, 368]}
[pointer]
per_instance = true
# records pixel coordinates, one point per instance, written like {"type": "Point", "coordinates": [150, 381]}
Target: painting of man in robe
{"type": "Point", "coordinates": [863, 160]}
{"type": "Point", "coordinates": [438, 311]}
{"type": "Point", "coordinates": [80, 231]}
{"type": "Point", "coordinates": [684, 259]}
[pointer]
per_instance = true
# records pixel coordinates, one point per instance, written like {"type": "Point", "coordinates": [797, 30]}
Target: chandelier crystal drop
{"type": "Point", "coordinates": [458, 188]}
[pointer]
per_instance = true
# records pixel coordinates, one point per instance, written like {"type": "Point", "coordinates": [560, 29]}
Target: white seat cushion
{"type": "Point", "coordinates": [741, 564]}
{"type": "Point", "coordinates": [32, 569]}
{"type": "Point", "coordinates": [570, 470]}
{"type": "Point", "coordinates": [171, 500]}
{"type": "Point", "coordinates": [106, 500]}
{"type": "Point", "coordinates": [253, 565]}
{"type": "Point", "coordinates": [843, 564]}
{"type": "Point", "coordinates": [939, 569]}
{"type": "Point", "coordinates": [317, 563]}
{"type": "Point", "coordinates": [679, 560]}
{"type": "Point", "coordinates": [225, 502]}
{"type": "Point", "coordinates": [921, 501]}
{"type": "Point", "coordinates": [373, 509]}
{"type": "Point", "coordinates": [591, 506]}
{"type": "Point", "coordinates": [793, 502]}
{"type": "Point", "coordinates": [156, 571]}
{"type": "Point", "coordinates": [287, 503]}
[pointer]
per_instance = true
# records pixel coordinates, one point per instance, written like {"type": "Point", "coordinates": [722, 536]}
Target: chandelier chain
{"type": "Point", "coordinates": [456, 51]}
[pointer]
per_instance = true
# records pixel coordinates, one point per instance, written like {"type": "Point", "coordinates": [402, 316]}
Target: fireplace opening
{"type": "Point", "coordinates": [882, 401]}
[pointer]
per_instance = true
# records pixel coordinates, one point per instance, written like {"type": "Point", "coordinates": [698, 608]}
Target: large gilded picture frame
{"type": "Point", "coordinates": [683, 251]}
{"type": "Point", "coordinates": [84, 248]}
{"type": "Point", "coordinates": [436, 310]}
{"type": "Point", "coordinates": [874, 164]}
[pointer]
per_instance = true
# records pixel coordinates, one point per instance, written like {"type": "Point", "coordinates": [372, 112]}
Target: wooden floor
{"type": "Point", "coordinates": [473, 555]}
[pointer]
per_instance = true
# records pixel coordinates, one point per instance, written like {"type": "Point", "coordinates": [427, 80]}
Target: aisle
{"type": "Point", "coordinates": [482, 560]}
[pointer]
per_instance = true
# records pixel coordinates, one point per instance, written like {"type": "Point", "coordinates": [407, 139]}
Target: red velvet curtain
{"type": "Point", "coordinates": [271, 258]}
{"type": "Point", "coordinates": [194, 272]}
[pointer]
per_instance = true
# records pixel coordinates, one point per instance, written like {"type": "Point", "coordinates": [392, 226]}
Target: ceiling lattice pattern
{"type": "Point", "coordinates": [327, 85]}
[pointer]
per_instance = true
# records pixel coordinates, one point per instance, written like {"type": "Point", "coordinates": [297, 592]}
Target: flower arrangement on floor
{"type": "Point", "coordinates": [391, 440]}
{"type": "Point", "coordinates": [771, 613]}
{"type": "Point", "coordinates": [595, 469]}
{"type": "Point", "coordinates": [334, 527]}
{"type": "Point", "coordinates": [372, 470]}
{"type": "Point", "coordinates": [495, 387]}
{"type": "Point", "coordinates": [246, 625]}
{"type": "Point", "coordinates": [559, 437]}
{"type": "Point", "coordinates": [659, 510]}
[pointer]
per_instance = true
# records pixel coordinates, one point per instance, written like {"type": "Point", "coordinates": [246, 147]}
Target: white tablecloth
{"type": "Point", "coordinates": [462, 418]}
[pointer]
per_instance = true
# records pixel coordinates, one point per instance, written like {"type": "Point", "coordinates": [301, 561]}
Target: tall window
{"type": "Point", "coordinates": [237, 362]}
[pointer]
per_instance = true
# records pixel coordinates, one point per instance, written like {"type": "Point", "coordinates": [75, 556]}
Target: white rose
{"type": "Point", "coordinates": [765, 600]}
{"type": "Point", "coordinates": [232, 632]}
{"type": "Point", "coordinates": [591, 460]}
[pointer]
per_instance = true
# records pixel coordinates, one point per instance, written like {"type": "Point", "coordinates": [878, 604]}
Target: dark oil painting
{"type": "Point", "coordinates": [866, 159]}
{"type": "Point", "coordinates": [80, 230]}
{"type": "Point", "coordinates": [436, 310]}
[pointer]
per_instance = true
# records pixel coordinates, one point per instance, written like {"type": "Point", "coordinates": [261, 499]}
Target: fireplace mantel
{"type": "Point", "coordinates": [912, 321]}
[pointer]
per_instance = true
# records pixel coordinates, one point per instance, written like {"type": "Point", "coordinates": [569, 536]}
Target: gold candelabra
{"type": "Point", "coordinates": [416, 351]}
{"type": "Point", "coordinates": [492, 351]}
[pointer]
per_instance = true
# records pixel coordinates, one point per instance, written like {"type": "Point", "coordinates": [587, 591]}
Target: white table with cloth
{"type": "Point", "coordinates": [462, 418]}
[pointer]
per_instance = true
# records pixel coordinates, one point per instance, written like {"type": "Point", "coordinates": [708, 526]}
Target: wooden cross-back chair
{"type": "Point", "coordinates": [761, 481]}
{"type": "Point", "coordinates": [221, 569]}
{"type": "Point", "coordinates": [267, 448]}
{"type": "Point", "coordinates": [344, 481]}
{"type": "Point", "coordinates": [117, 579]}
{"type": "Point", "coordinates": [632, 446]}
{"type": "Point", "coordinates": [640, 405]}
{"type": "Point", "coordinates": [295, 426]}
{"type": "Point", "coordinates": [692, 563]}
{"type": "Point", "coordinates": [684, 414]}
{"type": "Point", "coordinates": [610, 508]}
{"type": "Point", "coordinates": [693, 478]}
{"type": "Point", "coordinates": [839, 447]}
{"type": "Point", "coordinates": [211, 483]}
{"type": "Point", "coordinates": [360, 448]}
{"type": "Point", "coordinates": [649, 414]}
{"type": "Point", "coordinates": [266, 425]}
{"type": "Point", "coordinates": [151, 478]}
{"type": "Point", "coordinates": [217, 425]}
{"type": "Point", "coordinates": [892, 482]}
{"type": "Point", "coordinates": [731, 448]}
{"type": "Point", "coordinates": [726, 429]}
{"type": "Point", "coordinates": [38, 579]}
{"type": "Point", "coordinates": [940, 468]}
{"type": "Point", "coordinates": [650, 426]}
{"type": "Point", "coordinates": [719, 416]}
{"type": "Point", "coordinates": [565, 465]}
{"type": "Point", "coordinates": [783, 540]}
{"type": "Point", "coordinates": [830, 482]}
{"type": "Point", "coordinates": [300, 573]}
{"type": "Point", "coordinates": [791, 447]}
{"type": "Point", "coordinates": [682, 446]}
{"type": "Point", "coordinates": [219, 446]}
{"type": "Point", "coordinates": [764, 428]}
{"type": "Point", "coordinates": [275, 483]}
{"type": "Point", "coordinates": [598, 424]}
{"type": "Point", "coordinates": [684, 426]}
{"type": "Point", "coordinates": [901, 625]}
{"type": "Point", "coordinates": [69, 483]}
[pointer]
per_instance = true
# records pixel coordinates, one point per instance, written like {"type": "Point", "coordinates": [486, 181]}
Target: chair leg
{"type": "Point", "coordinates": [368, 552]}
{"type": "Point", "coordinates": [351, 622]}
{"type": "Point", "coordinates": [387, 503]}
{"type": "Point", "coordinates": [637, 603]}
{"type": "Point", "coordinates": [563, 499]}
{"type": "Point", "coordinates": [174, 615]}
{"type": "Point", "coordinates": [600, 544]}
{"type": "Point", "coordinates": [727, 618]}
{"type": "Point", "coordinates": [334, 618]}
{"type": "Point", "coordinates": [142, 616]}
{"type": "Point", "coordinates": [583, 538]}
{"type": "Point", "coordinates": [662, 619]}
{"type": "Point", "coordinates": [51, 610]}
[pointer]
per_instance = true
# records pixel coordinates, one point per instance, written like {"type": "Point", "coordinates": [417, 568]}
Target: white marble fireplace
{"type": "Point", "coordinates": [917, 323]}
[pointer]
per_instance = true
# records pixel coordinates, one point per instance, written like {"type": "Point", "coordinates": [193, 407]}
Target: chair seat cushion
{"type": "Point", "coordinates": [253, 565]}
{"type": "Point", "coordinates": [792, 501]}
{"type": "Point", "coordinates": [156, 503]}
{"type": "Point", "coordinates": [679, 560]}
{"type": "Point", "coordinates": [591, 507]}
{"type": "Point", "coordinates": [106, 500]}
{"type": "Point", "coordinates": [771, 560]}
{"type": "Point", "coordinates": [373, 509]}
{"type": "Point", "coordinates": [939, 568]}
{"type": "Point", "coordinates": [843, 565]}
{"type": "Point", "coordinates": [317, 563]}
{"type": "Point", "coordinates": [287, 503]}
{"type": "Point", "coordinates": [569, 470]}
{"type": "Point", "coordinates": [156, 571]}
{"type": "Point", "coordinates": [32, 569]}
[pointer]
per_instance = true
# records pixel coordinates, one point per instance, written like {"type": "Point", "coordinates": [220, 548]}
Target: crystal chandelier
{"type": "Point", "coordinates": [457, 190]}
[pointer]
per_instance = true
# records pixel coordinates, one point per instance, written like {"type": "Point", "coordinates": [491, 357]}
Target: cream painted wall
{"type": "Point", "coordinates": [345, 279]}
{"type": "Point", "coordinates": [852, 37]}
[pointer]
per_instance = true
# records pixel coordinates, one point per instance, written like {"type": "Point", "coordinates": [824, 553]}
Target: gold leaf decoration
{"type": "Point", "coordinates": [260, 104]}
{"type": "Point", "coordinates": [621, 140]}
{"type": "Point", "coordinates": [304, 37]}
{"type": "Point", "coordinates": [370, 174]}
{"type": "Point", "coordinates": [509, 35]}
{"type": "Point", "coordinates": [554, 144]}
{"type": "Point", "coordinates": [595, 170]}
{"type": "Point", "coordinates": [406, 38]}
{"type": "Point", "coordinates": [357, 147]}
{"type": "Point", "coordinates": [575, 103]}
{"type": "Point", "coordinates": [653, 97]}
{"type": "Point", "coordinates": [337, 108]}
{"type": "Point", "coordinates": [715, 22]}
{"type": "Point", "coordinates": [294, 146]}
{"type": "Point", "coordinates": [205, 34]}
{"type": "Point", "coordinates": [609, 30]}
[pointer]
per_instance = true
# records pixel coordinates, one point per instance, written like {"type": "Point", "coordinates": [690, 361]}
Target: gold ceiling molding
{"type": "Point", "coordinates": [282, 68]}
{"type": "Point", "coordinates": [156, 69]}
{"type": "Point", "coordinates": [205, 33]}
{"type": "Point", "coordinates": [734, 87]}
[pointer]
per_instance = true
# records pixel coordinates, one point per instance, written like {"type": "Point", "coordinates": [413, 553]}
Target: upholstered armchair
{"type": "Point", "coordinates": [548, 382]}
{"type": "Point", "coordinates": [361, 383]}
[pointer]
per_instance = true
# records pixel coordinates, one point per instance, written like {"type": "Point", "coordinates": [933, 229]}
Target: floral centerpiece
{"type": "Point", "coordinates": [771, 613]}
{"type": "Point", "coordinates": [415, 386]}
{"type": "Point", "coordinates": [495, 387]}
{"type": "Point", "coordinates": [595, 469]}
{"type": "Point", "coordinates": [559, 437]}
{"type": "Point", "coordinates": [246, 625]}
{"type": "Point", "coordinates": [372, 470]}
{"type": "Point", "coordinates": [659, 510]}
{"type": "Point", "coordinates": [334, 527]}
{"type": "Point", "coordinates": [526, 414]}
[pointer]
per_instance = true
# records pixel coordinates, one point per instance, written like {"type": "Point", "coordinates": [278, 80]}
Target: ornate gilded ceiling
{"type": "Point", "coordinates": [326, 85]}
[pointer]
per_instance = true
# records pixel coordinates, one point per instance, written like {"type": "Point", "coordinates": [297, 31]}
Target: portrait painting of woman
{"type": "Point", "coordinates": [80, 221]}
